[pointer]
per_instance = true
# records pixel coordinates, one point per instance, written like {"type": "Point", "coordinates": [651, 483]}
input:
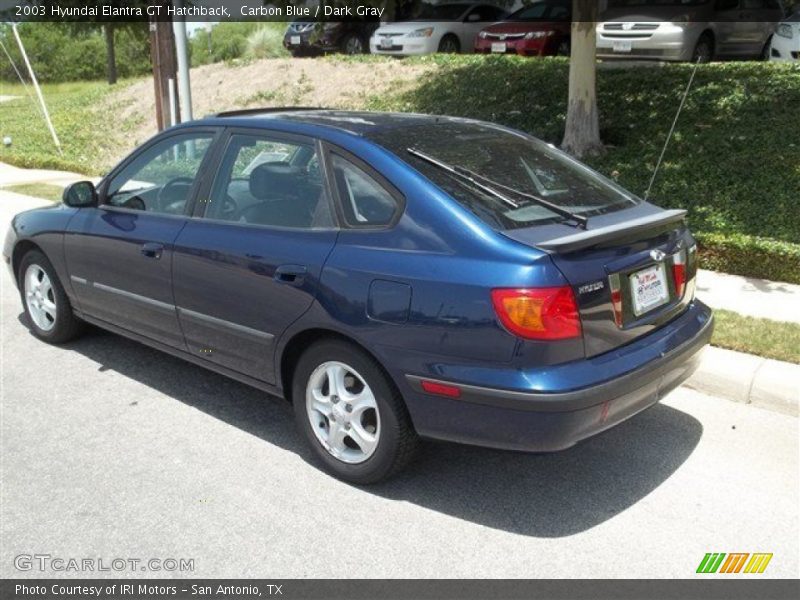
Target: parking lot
{"type": "Point", "coordinates": [113, 450]}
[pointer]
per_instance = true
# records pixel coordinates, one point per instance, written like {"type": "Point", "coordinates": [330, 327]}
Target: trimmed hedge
{"type": "Point", "coordinates": [734, 160]}
{"type": "Point", "coordinates": [733, 163]}
{"type": "Point", "coordinates": [750, 256]}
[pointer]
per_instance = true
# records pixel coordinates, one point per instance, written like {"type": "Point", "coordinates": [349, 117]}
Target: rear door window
{"type": "Point", "coordinates": [270, 181]}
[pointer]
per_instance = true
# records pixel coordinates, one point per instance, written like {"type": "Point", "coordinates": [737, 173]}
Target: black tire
{"type": "Point", "coordinates": [765, 51]}
{"type": "Point", "coordinates": [564, 48]}
{"type": "Point", "coordinates": [66, 325]}
{"type": "Point", "coordinates": [704, 49]}
{"type": "Point", "coordinates": [352, 44]}
{"type": "Point", "coordinates": [449, 44]}
{"type": "Point", "coordinates": [397, 441]}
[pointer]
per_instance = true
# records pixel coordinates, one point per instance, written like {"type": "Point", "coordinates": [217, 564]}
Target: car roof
{"type": "Point", "coordinates": [360, 123]}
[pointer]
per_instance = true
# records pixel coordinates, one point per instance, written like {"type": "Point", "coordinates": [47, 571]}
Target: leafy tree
{"type": "Point", "coordinates": [80, 25]}
{"type": "Point", "coordinates": [69, 52]}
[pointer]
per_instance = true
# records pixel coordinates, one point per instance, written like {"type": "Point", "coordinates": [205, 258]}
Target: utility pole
{"type": "Point", "coordinates": [184, 85]}
{"type": "Point", "coordinates": [162, 56]}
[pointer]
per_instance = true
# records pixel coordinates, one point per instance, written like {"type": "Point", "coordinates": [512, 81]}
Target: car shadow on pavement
{"type": "Point", "coordinates": [545, 495]}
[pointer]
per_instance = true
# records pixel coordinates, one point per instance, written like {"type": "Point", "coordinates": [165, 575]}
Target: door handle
{"type": "Point", "coordinates": [291, 274]}
{"type": "Point", "coordinates": [152, 250]}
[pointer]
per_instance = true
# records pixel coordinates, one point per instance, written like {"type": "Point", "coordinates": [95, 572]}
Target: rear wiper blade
{"type": "Point", "coordinates": [493, 188]}
{"type": "Point", "coordinates": [463, 174]}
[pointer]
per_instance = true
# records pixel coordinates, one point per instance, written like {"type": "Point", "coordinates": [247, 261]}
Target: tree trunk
{"type": "Point", "coordinates": [111, 57]}
{"type": "Point", "coordinates": [582, 133]}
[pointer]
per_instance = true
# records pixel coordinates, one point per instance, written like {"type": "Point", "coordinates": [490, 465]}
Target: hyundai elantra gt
{"type": "Point", "coordinates": [393, 276]}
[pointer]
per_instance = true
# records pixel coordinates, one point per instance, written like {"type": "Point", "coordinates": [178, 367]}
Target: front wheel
{"type": "Point", "coordinates": [704, 50]}
{"type": "Point", "coordinates": [45, 301]}
{"type": "Point", "coordinates": [766, 51]}
{"type": "Point", "coordinates": [449, 45]}
{"type": "Point", "coordinates": [351, 414]}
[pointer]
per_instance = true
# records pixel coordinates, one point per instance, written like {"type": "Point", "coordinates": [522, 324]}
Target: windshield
{"type": "Point", "coordinates": [547, 10]}
{"type": "Point", "coordinates": [440, 12]}
{"type": "Point", "coordinates": [522, 163]}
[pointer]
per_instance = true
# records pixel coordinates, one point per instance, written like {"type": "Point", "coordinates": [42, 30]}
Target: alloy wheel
{"type": "Point", "coordinates": [40, 297]}
{"type": "Point", "coordinates": [448, 46]}
{"type": "Point", "coordinates": [343, 413]}
{"type": "Point", "coordinates": [702, 52]}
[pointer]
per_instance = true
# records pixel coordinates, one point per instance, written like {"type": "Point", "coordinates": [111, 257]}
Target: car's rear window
{"type": "Point", "coordinates": [511, 159]}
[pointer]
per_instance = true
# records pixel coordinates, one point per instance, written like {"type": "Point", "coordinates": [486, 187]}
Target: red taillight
{"type": "Point", "coordinates": [616, 304]}
{"type": "Point", "coordinates": [440, 389]}
{"type": "Point", "coordinates": [538, 313]}
{"type": "Point", "coordinates": [679, 272]}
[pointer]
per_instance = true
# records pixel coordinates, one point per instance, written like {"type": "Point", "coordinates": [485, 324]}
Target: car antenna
{"type": "Point", "coordinates": [671, 130]}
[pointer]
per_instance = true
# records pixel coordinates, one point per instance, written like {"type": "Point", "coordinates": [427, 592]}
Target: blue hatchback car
{"type": "Point", "coordinates": [394, 276]}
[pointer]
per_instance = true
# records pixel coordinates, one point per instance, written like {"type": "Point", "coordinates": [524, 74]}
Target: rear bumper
{"type": "Point", "coordinates": [309, 44]}
{"type": "Point", "coordinates": [539, 421]}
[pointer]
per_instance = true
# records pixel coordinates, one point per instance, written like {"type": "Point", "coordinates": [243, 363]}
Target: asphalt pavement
{"type": "Point", "coordinates": [111, 450]}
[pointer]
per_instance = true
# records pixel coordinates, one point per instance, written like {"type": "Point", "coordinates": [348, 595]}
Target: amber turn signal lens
{"type": "Point", "coordinates": [538, 313]}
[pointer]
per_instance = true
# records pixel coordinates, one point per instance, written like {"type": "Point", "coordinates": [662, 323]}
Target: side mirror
{"type": "Point", "coordinates": [80, 194]}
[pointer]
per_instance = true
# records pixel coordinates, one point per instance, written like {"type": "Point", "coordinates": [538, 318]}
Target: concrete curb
{"type": "Point", "coordinates": [763, 382]}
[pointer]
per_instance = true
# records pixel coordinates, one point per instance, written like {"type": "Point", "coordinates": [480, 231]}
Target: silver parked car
{"type": "Point", "coordinates": [687, 30]}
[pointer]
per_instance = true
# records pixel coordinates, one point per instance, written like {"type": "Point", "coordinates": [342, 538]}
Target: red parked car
{"type": "Point", "coordinates": [538, 29]}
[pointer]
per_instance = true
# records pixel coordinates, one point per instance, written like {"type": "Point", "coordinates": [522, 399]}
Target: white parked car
{"type": "Point", "coordinates": [786, 39]}
{"type": "Point", "coordinates": [437, 28]}
{"type": "Point", "coordinates": [687, 30]}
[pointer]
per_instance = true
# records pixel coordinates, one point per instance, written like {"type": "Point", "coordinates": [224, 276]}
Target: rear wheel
{"type": "Point", "coordinates": [351, 414]}
{"type": "Point", "coordinates": [449, 44]}
{"type": "Point", "coordinates": [353, 44]}
{"type": "Point", "coordinates": [704, 50]}
{"type": "Point", "coordinates": [45, 301]}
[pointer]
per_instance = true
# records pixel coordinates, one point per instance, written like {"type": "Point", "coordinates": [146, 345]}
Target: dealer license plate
{"type": "Point", "coordinates": [499, 47]}
{"type": "Point", "coordinates": [295, 40]}
{"type": "Point", "coordinates": [649, 289]}
{"type": "Point", "coordinates": [386, 42]}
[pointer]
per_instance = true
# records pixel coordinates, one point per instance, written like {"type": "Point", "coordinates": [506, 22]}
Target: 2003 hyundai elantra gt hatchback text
{"type": "Point", "coordinates": [394, 276]}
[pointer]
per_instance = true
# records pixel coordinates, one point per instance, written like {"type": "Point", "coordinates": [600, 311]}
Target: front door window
{"type": "Point", "coordinates": [161, 178]}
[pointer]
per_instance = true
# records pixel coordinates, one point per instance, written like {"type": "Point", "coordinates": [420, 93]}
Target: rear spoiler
{"type": "Point", "coordinates": [593, 237]}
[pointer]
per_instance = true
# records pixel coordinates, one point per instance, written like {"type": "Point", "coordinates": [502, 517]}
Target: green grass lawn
{"type": "Point", "coordinates": [763, 337]}
{"type": "Point", "coordinates": [37, 190]}
{"type": "Point", "coordinates": [80, 126]}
